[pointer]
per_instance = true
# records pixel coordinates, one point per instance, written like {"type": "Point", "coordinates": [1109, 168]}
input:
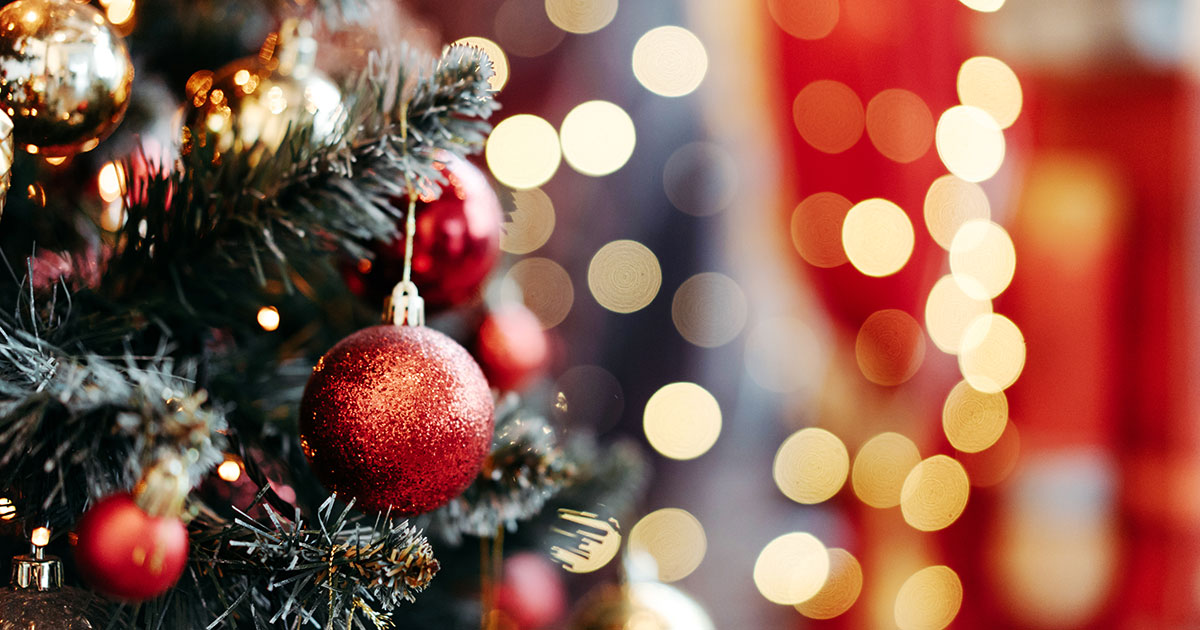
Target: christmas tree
{"type": "Point", "coordinates": [179, 422]}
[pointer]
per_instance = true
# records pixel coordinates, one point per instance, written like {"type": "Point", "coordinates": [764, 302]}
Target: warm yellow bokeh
{"type": "Point", "coordinates": [674, 538]}
{"type": "Point", "coordinates": [934, 494]}
{"type": "Point", "coordinates": [670, 61]}
{"type": "Point", "coordinates": [972, 420]}
{"type": "Point", "coordinates": [581, 16]}
{"type": "Point", "coordinates": [949, 204]}
{"type": "Point", "coordinates": [523, 151]}
{"type": "Point", "coordinates": [811, 466]}
{"type": "Point", "coordinates": [880, 468]}
{"type": "Point", "coordinates": [877, 237]}
{"type": "Point", "coordinates": [970, 143]}
{"type": "Point", "coordinates": [682, 421]}
{"type": "Point", "coordinates": [982, 259]}
{"type": "Point", "coordinates": [545, 288]}
{"type": "Point", "coordinates": [624, 276]}
{"type": "Point", "coordinates": [948, 312]}
{"type": "Point", "coordinates": [229, 470]}
{"type": "Point", "coordinates": [109, 181]}
{"type": "Point", "coordinates": [986, 6]}
{"type": "Point", "coordinates": [990, 85]}
{"type": "Point", "coordinates": [496, 54]}
{"type": "Point", "coordinates": [597, 138]}
{"type": "Point", "coordinates": [929, 599]}
{"type": "Point", "coordinates": [992, 355]}
{"type": "Point", "coordinates": [268, 318]}
{"type": "Point", "coordinates": [890, 347]}
{"type": "Point", "coordinates": [841, 589]}
{"type": "Point", "coordinates": [530, 224]}
{"type": "Point", "coordinates": [792, 568]}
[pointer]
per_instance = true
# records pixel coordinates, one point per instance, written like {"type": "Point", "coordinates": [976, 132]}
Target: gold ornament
{"type": "Point", "coordinates": [251, 103]}
{"type": "Point", "coordinates": [65, 75]}
{"type": "Point", "coordinates": [640, 605]}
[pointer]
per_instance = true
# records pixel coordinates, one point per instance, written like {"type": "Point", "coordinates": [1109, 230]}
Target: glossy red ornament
{"type": "Point", "coordinates": [531, 594]}
{"type": "Point", "coordinates": [456, 245]}
{"type": "Point", "coordinates": [127, 554]}
{"type": "Point", "coordinates": [512, 347]}
{"type": "Point", "coordinates": [396, 416]}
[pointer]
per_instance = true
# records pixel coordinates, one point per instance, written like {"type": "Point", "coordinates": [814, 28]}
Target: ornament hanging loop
{"type": "Point", "coordinates": [405, 307]}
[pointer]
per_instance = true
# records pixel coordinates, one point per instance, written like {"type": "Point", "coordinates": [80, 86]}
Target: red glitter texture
{"type": "Point", "coordinates": [396, 416]}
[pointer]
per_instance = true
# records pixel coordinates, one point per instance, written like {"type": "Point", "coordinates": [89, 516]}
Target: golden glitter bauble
{"type": "Point", "coordinates": [65, 75]}
{"type": "Point", "coordinates": [640, 605]}
{"type": "Point", "coordinates": [250, 104]}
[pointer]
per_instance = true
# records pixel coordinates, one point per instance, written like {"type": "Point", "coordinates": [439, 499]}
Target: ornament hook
{"type": "Point", "coordinates": [405, 307]}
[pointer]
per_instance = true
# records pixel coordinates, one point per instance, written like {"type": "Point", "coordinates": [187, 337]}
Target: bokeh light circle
{"type": "Point", "coordinates": [709, 309]}
{"type": "Point", "coordinates": [530, 224]}
{"type": "Point", "coordinates": [890, 347]}
{"type": "Point", "coordinates": [934, 494]}
{"type": "Point", "coordinates": [597, 138]}
{"type": "Point", "coordinates": [992, 355]}
{"type": "Point", "coordinates": [792, 568]}
{"type": "Point", "coordinates": [670, 61]}
{"type": "Point", "coordinates": [982, 259]}
{"type": "Point", "coordinates": [674, 538]}
{"type": "Point", "coordinates": [523, 151]}
{"type": "Point", "coordinates": [817, 229]}
{"type": "Point", "coordinates": [880, 468]}
{"type": "Point", "coordinates": [973, 420]}
{"type": "Point", "coordinates": [811, 466]}
{"type": "Point", "coordinates": [877, 237]}
{"type": "Point", "coordinates": [682, 421]}
{"type": "Point", "coordinates": [970, 143]}
{"type": "Point", "coordinates": [546, 288]}
{"type": "Point", "coordinates": [701, 178]}
{"type": "Point", "coordinates": [829, 116]}
{"type": "Point", "coordinates": [929, 599]}
{"type": "Point", "coordinates": [496, 54]}
{"type": "Point", "coordinates": [624, 276]}
{"type": "Point", "coordinates": [581, 16]}
{"type": "Point", "coordinates": [806, 19]}
{"type": "Point", "coordinates": [841, 588]}
{"type": "Point", "coordinates": [948, 312]}
{"type": "Point", "coordinates": [900, 125]}
{"type": "Point", "coordinates": [990, 85]}
{"type": "Point", "coordinates": [949, 204]}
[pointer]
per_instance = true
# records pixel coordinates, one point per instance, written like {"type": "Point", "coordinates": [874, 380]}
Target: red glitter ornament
{"type": "Point", "coordinates": [128, 554]}
{"type": "Point", "coordinates": [512, 347]}
{"type": "Point", "coordinates": [396, 416]}
{"type": "Point", "coordinates": [456, 245]}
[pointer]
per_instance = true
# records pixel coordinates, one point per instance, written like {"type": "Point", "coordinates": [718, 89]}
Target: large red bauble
{"type": "Point", "coordinates": [125, 553]}
{"type": "Point", "coordinates": [456, 245]}
{"type": "Point", "coordinates": [396, 416]}
{"type": "Point", "coordinates": [512, 347]}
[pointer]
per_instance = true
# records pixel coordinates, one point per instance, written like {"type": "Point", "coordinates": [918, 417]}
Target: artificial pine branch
{"type": "Point", "coordinates": [339, 572]}
{"type": "Point", "coordinates": [74, 428]}
{"type": "Point", "coordinates": [524, 469]}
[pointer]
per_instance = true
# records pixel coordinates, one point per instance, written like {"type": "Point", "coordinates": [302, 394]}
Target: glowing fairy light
{"type": "Point", "coordinates": [496, 54]}
{"type": "Point", "coordinates": [229, 470]}
{"type": "Point", "coordinates": [878, 237]}
{"type": "Point", "coordinates": [268, 318]}
{"type": "Point", "coordinates": [674, 538]}
{"type": "Point", "coordinates": [792, 568]}
{"type": "Point", "coordinates": [811, 466]}
{"type": "Point", "coordinates": [598, 138]}
{"type": "Point", "coordinates": [40, 537]}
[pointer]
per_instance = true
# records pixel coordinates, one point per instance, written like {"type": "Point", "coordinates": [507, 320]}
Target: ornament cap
{"type": "Point", "coordinates": [163, 488]}
{"type": "Point", "coordinates": [37, 572]}
{"type": "Point", "coordinates": [405, 307]}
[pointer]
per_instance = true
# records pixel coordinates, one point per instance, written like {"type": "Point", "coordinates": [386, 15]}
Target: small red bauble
{"type": "Point", "coordinates": [456, 245]}
{"type": "Point", "coordinates": [396, 416]}
{"type": "Point", "coordinates": [532, 592]}
{"type": "Point", "coordinates": [125, 553]}
{"type": "Point", "coordinates": [512, 347]}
